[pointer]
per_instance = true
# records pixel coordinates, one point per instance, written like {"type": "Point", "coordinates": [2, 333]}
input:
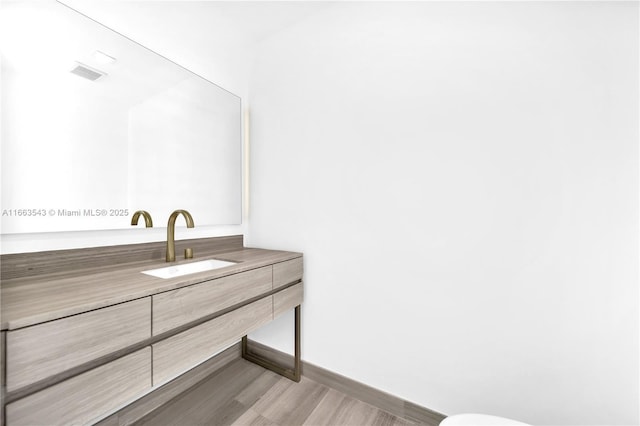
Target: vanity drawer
{"type": "Point", "coordinates": [177, 354]}
{"type": "Point", "coordinates": [287, 272]}
{"type": "Point", "coordinates": [87, 396]}
{"type": "Point", "coordinates": [287, 299]}
{"type": "Point", "coordinates": [40, 351]}
{"type": "Point", "coordinates": [181, 306]}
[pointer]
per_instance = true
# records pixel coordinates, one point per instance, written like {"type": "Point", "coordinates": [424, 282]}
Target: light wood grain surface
{"type": "Point", "coordinates": [34, 353]}
{"type": "Point", "coordinates": [287, 299]}
{"type": "Point", "coordinates": [245, 394]}
{"type": "Point", "coordinates": [87, 396]}
{"type": "Point", "coordinates": [175, 355]}
{"type": "Point", "coordinates": [290, 403]}
{"type": "Point", "coordinates": [32, 300]}
{"type": "Point", "coordinates": [287, 272]}
{"type": "Point", "coordinates": [74, 310]}
{"type": "Point", "coordinates": [174, 308]}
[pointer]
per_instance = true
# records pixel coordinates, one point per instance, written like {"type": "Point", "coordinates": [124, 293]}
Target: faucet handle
{"type": "Point", "coordinates": [188, 253]}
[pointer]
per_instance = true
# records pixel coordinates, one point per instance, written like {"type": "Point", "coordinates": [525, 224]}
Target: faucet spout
{"type": "Point", "coordinates": [171, 232]}
{"type": "Point", "coordinates": [147, 218]}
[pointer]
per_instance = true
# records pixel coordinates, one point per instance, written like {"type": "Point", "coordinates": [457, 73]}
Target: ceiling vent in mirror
{"type": "Point", "coordinates": [87, 72]}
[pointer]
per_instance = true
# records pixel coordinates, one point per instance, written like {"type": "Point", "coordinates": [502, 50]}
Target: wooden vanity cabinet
{"type": "Point", "coordinates": [78, 368]}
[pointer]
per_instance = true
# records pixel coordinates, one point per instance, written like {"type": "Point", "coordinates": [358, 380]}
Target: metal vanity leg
{"type": "Point", "coordinates": [292, 374]}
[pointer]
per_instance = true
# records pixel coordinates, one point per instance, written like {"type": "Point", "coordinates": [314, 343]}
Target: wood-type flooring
{"type": "Point", "coordinates": [243, 393]}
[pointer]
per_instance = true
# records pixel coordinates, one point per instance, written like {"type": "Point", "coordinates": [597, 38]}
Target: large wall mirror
{"type": "Point", "coordinates": [95, 126]}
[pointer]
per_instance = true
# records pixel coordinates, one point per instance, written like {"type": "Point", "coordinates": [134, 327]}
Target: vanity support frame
{"type": "Point", "coordinates": [292, 374]}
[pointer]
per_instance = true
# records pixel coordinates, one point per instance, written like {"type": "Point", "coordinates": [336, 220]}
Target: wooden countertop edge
{"type": "Point", "coordinates": [155, 285]}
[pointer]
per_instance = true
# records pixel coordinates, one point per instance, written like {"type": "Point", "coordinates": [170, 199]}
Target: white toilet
{"type": "Point", "coordinates": [479, 420]}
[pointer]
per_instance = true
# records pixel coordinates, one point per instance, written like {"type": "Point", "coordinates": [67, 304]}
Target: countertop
{"type": "Point", "coordinates": [33, 300]}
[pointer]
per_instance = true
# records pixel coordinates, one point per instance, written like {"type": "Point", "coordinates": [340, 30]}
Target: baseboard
{"type": "Point", "coordinates": [390, 403]}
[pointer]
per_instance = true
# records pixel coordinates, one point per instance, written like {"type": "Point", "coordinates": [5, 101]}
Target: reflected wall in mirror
{"type": "Point", "coordinates": [95, 127]}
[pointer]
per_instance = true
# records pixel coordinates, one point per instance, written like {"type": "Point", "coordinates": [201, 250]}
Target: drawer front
{"type": "Point", "coordinates": [86, 396]}
{"type": "Point", "coordinates": [177, 354]}
{"type": "Point", "coordinates": [287, 299]}
{"type": "Point", "coordinates": [287, 272]}
{"type": "Point", "coordinates": [178, 307]}
{"type": "Point", "coordinates": [37, 352]}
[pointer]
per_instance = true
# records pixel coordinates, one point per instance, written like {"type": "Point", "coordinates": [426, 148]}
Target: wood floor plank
{"type": "Point", "coordinates": [337, 408]}
{"type": "Point", "coordinates": [251, 418]}
{"type": "Point", "coordinates": [251, 394]}
{"type": "Point", "coordinates": [383, 418]}
{"type": "Point", "coordinates": [290, 403]}
{"type": "Point", "coordinates": [356, 413]}
{"type": "Point", "coordinates": [271, 397]}
{"type": "Point", "coordinates": [225, 415]}
{"type": "Point", "coordinates": [333, 405]}
{"type": "Point", "coordinates": [404, 422]}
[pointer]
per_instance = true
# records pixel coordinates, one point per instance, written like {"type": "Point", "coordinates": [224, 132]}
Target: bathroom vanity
{"type": "Point", "coordinates": [86, 332]}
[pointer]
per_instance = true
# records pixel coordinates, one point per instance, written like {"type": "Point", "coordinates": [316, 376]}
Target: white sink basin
{"type": "Point", "coordinates": [188, 268]}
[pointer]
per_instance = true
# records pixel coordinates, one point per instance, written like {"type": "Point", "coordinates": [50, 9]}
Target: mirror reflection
{"type": "Point", "coordinates": [95, 127]}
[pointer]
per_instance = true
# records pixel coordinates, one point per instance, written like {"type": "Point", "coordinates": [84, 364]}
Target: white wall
{"type": "Point", "coordinates": [463, 181]}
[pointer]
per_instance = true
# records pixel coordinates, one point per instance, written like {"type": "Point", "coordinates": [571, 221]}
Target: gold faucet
{"type": "Point", "coordinates": [171, 232]}
{"type": "Point", "coordinates": [147, 218]}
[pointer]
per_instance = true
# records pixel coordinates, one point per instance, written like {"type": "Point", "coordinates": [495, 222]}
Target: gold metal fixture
{"type": "Point", "coordinates": [171, 232]}
{"type": "Point", "coordinates": [188, 253]}
{"type": "Point", "coordinates": [147, 218]}
{"type": "Point", "coordinates": [290, 373]}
